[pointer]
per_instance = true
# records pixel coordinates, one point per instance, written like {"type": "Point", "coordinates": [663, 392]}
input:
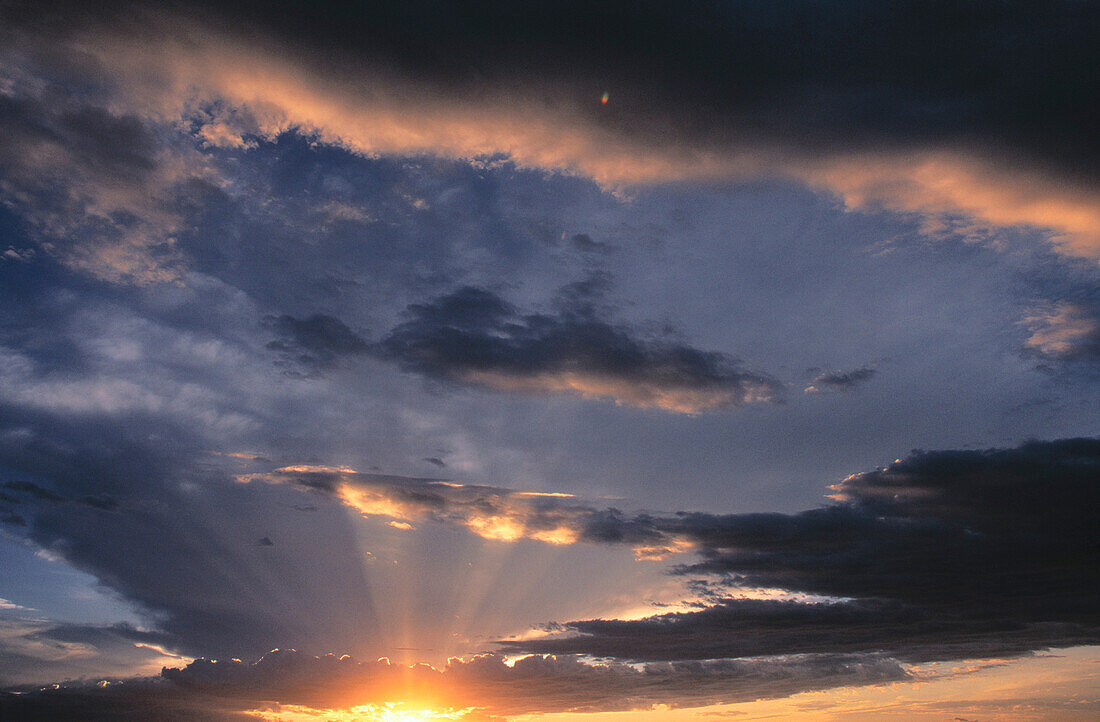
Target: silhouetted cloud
{"type": "Point", "coordinates": [222, 689]}
{"type": "Point", "coordinates": [736, 627]}
{"type": "Point", "coordinates": [34, 649]}
{"type": "Point", "coordinates": [26, 490]}
{"type": "Point", "coordinates": [473, 337]}
{"type": "Point", "coordinates": [988, 552]}
{"type": "Point", "coordinates": [310, 345]}
{"type": "Point", "coordinates": [12, 519]}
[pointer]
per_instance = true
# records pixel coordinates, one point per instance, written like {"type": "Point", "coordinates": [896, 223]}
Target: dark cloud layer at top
{"type": "Point", "coordinates": [473, 336]}
{"type": "Point", "coordinates": [945, 109]}
{"type": "Point", "coordinates": [1015, 74]}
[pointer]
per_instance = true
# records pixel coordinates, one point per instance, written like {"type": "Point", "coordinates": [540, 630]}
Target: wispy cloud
{"type": "Point", "coordinates": [839, 380]}
{"type": "Point", "coordinates": [1067, 331]}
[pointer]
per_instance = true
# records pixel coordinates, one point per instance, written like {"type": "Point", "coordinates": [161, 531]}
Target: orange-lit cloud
{"type": "Point", "coordinates": [684, 399]}
{"type": "Point", "coordinates": [491, 513]}
{"type": "Point", "coordinates": [1061, 330]}
{"type": "Point", "coordinates": [234, 90]}
{"type": "Point", "coordinates": [496, 514]}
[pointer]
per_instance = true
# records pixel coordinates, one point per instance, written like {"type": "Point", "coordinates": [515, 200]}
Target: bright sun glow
{"type": "Point", "coordinates": [389, 712]}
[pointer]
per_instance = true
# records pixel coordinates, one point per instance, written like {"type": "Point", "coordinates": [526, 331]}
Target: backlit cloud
{"type": "Point", "coordinates": [942, 145]}
{"type": "Point", "coordinates": [943, 555]}
{"type": "Point", "coordinates": [1067, 330]}
{"type": "Point", "coordinates": [484, 685]}
{"type": "Point", "coordinates": [474, 337]}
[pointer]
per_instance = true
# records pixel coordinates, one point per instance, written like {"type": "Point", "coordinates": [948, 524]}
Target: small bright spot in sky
{"type": "Point", "coordinates": [604, 97]}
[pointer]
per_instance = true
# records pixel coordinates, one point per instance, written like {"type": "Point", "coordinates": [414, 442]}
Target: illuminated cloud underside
{"type": "Point", "coordinates": [234, 90]}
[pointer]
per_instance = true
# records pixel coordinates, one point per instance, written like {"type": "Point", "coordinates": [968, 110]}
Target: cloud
{"type": "Point", "coordinates": [91, 183]}
{"type": "Point", "coordinates": [864, 105]}
{"type": "Point", "coordinates": [311, 345]}
{"type": "Point", "coordinates": [489, 512]}
{"type": "Point", "coordinates": [839, 380]}
{"type": "Point", "coordinates": [943, 555]}
{"type": "Point", "coordinates": [474, 337]}
{"type": "Point", "coordinates": [169, 532]}
{"type": "Point", "coordinates": [32, 489]}
{"type": "Point", "coordinates": [485, 685]}
{"type": "Point", "coordinates": [1000, 143]}
{"type": "Point", "coordinates": [1066, 331]}
{"type": "Point", "coordinates": [583, 242]}
{"type": "Point", "coordinates": [34, 649]}
{"type": "Point", "coordinates": [740, 627]}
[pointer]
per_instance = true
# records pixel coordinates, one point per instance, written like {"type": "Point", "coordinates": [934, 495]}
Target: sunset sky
{"type": "Point", "coordinates": [549, 361]}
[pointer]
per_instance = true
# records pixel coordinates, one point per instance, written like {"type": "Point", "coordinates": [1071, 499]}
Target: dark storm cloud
{"type": "Point", "coordinates": [310, 345]}
{"type": "Point", "coordinates": [472, 336]}
{"type": "Point", "coordinates": [531, 686]}
{"type": "Point", "coordinates": [840, 380]}
{"type": "Point", "coordinates": [989, 552]}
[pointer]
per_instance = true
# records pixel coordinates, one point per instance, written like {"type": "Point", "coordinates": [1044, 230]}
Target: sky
{"type": "Point", "coordinates": [558, 361]}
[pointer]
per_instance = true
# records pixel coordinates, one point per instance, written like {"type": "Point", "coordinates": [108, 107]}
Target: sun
{"type": "Point", "coordinates": [390, 712]}
{"type": "Point", "coordinates": [395, 716]}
